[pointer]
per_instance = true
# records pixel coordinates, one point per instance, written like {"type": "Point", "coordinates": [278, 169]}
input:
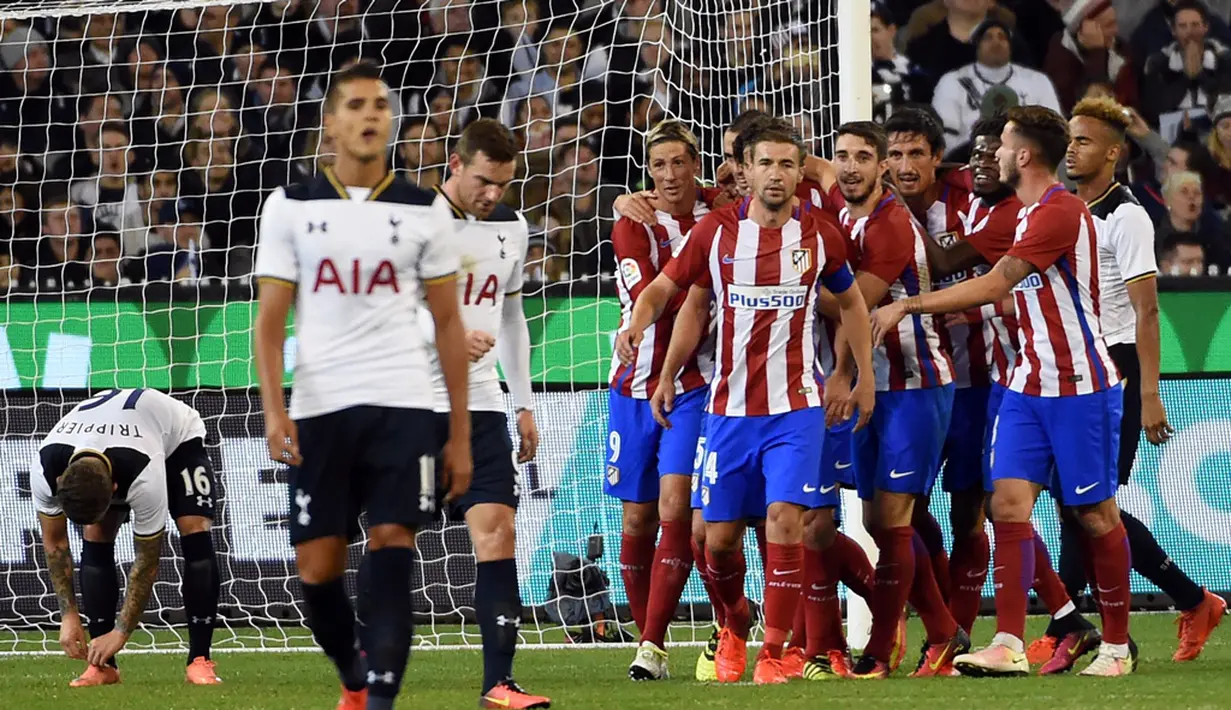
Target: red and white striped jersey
{"type": "Point", "coordinates": [990, 229]}
{"type": "Point", "coordinates": [889, 245]}
{"type": "Point", "coordinates": [642, 251]}
{"type": "Point", "coordinates": [972, 342]}
{"type": "Point", "coordinates": [1062, 348]}
{"type": "Point", "coordinates": [765, 284]}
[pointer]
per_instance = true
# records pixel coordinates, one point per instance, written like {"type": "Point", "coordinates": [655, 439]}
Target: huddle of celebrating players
{"type": "Point", "coordinates": [1013, 345]}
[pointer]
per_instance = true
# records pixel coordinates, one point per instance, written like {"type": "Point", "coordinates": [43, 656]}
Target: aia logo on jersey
{"type": "Point", "coordinates": [488, 290]}
{"type": "Point", "coordinates": [353, 280]}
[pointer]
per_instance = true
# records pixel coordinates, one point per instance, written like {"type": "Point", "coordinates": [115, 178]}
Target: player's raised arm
{"type": "Point", "coordinates": [277, 271]}
{"type": "Point", "coordinates": [438, 269]}
{"type": "Point", "coordinates": [690, 324]}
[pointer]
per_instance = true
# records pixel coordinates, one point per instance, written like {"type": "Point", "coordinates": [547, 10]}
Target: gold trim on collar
{"type": "Point", "coordinates": [1110, 189]}
{"type": "Point", "coordinates": [92, 452]}
{"type": "Point", "coordinates": [376, 191]}
{"type": "Point", "coordinates": [458, 212]}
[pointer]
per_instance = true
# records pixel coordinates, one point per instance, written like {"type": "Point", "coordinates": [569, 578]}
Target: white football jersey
{"type": "Point", "coordinates": [359, 259]}
{"type": "Point", "coordinates": [135, 430]}
{"type": "Point", "coordinates": [492, 253]}
{"type": "Point", "coordinates": [1126, 254]}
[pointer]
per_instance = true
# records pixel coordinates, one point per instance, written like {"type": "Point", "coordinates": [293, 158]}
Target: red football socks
{"type": "Point", "coordinates": [1014, 574]}
{"type": "Point", "coordinates": [853, 566]}
{"type": "Point", "coordinates": [824, 609]}
{"type": "Point", "coordinates": [967, 574]}
{"type": "Point", "coordinates": [784, 576]}
{"type": "Point", "coordinates": [636, 556]}
{"type": "Point", "coordinates": [728, 572]}
{"type": "Point", "coordinates": [1112, 562]}
{"type": "Point", "coordinates": [672, 565]}
{"type": "Point", "coordinates": [707, 580]}
{"type": "Point", "coordinates": [926, 597]}
{"type": "Point", "coordinates": [894, 571]}
{"type": "Point", "coordinates": [1047, 584]}
{"type": "Point", "coordinates": [929, 532]}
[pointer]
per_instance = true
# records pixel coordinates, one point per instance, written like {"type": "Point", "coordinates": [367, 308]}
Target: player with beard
{"type": "Point", "coordinates": [1129, 316]}
{"type": "Point", "coordinates": [895, 459]}
{"type": "Point", "coordinates": [1058, 424]}
{"type": "Point", "coordinates": [979, 239]}
{"type": "Point", "coordinates": [754, 458]}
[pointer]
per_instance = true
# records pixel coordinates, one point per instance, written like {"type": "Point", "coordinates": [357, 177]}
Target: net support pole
{"type": "Point", "coordinates": [855, 104]}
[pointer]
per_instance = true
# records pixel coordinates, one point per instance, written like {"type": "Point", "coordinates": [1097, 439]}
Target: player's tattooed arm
{"type": "Point", "coordinates": [140, 582]}
{"type": "Point", "coordinates": [1013, 269]}
{"type": "Point", "coordinates": [59, 561]}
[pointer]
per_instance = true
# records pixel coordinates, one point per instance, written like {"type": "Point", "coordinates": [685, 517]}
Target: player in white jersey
{"type": "Point", "coordinates": [1129, 316]}
{"type": "Point", "coordinates": [491, 240]}
{"type": "Point", "coordinates": [356, 251]}
{"type": "Point", "coordinates": [122, 455]}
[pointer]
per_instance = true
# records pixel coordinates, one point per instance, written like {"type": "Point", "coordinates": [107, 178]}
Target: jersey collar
{"type": "Point", "coordinates": [458, 212]}
{"type": "Point", "coordinates": [380, 187]}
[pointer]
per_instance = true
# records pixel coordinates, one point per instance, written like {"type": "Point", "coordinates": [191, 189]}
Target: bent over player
{"type": "Point", "coordinates": [491, 242]}
{"type": "Point", "coordinates": [356, 250]}
{"type": "Point", "coordinates": [1058, 423]}
{"type": "Point", "coordinates": [136, 455]}
{"type": "Point", "coordinates": [764, 259]}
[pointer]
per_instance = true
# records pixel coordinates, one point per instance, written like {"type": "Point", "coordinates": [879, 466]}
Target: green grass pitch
{"type": "Point", "coordinates": [595, 680]}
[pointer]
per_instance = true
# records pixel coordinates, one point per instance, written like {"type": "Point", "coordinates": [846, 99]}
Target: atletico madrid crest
{"type": "Point", "coordinates": [801, 260]}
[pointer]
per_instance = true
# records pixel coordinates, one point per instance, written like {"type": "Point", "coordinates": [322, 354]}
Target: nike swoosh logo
{"type": "Point", "coordinates": [842, 464]}
{"type": "Point", "coordinates": [780, 572]}
{"type": "Point", "coordinates": [502, 702]}
{"type": "Point", "coordinates": [903, 474]}
{"type": "Point", "coordinates": [976, 575]}
{"type": "Point", "coordinates": [665, 244]}
{"type": "Point", "coordinates": [815, 588]}
{"type": "Point", "coordinates": [726, 259]}
{"type": "Point", "coordinates": [809, 489]}
{"type": "Point", "coordinates": [1107, 591]}
{"type": "Point", "coordinates": [997, 569]}
{"type": "Point", "coordinates": [827, 489]}
{"type": "Point", "coordinates": [1083, 489]}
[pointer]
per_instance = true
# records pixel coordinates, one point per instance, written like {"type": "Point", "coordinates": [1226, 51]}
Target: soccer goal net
{"type": "Point", "coordinates": [137, 142]}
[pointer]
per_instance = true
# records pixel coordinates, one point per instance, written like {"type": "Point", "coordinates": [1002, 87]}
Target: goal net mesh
{"type": "Point", "coordinates": [137, 142]}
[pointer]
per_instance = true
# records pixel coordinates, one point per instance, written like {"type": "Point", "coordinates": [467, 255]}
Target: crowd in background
{"type": "Point", "coordinates": [140, 146]}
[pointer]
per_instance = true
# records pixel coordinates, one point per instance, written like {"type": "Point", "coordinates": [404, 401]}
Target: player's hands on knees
{"type": "Point", "coordinates": [104, 648]}
{"type": "Point", "coordinates": [639, 207]}
{"type": "Point", "coordinates": [1154, 419]}
{"type": "Point", "coordinates": [885, 319]}
{"type": "Point", "coordinates": [528, 432]}
{"type": "Point", "coordinates": [72, 636]}
{"type": "Point", "coordinates": [478, 344]}
{"type": "Point", "coordinates": [282, 436]}
{"type": "Point", "coordinates": [626, 345]}
{"type": "Point", "coordinates": [662, 402]}
{"type": "Point", "coordinates": [457, 467]}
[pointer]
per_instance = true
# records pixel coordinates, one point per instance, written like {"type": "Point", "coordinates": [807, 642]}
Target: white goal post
{"type": "Point", "coordinates": [135, 150]}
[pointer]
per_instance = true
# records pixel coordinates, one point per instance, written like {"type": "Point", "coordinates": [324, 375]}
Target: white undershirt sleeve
{"type": "Point", "coordinates": [513, 351]}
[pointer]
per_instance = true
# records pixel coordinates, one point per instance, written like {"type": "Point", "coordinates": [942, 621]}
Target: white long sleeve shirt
{"type": "Point", "coordinates": [959, 95]}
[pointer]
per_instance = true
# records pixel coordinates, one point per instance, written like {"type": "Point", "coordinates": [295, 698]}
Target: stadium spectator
{"type": "Point", "coordinates": [1182, 79]}
{"type": "Point", "coordinates": [462, 74]}
{"type": "Point", "coordinates": [895, 78]}
{"type": "Point", "coordinates": [155, 188]}
{"type": "Point", "coordinates": [231, 197]}
{"type": "Point", "coordinates": [160, 124]}
{"type": "Point", "coordinates": [271, 115]}
{"type": "Point", "coordinates": [1182, 255]}
{"type": "Point", "coordinates": [576, 205]}
{"type": "Point", "coordinates": [561, 54]}
{"type": "Point", "coordinates": [949, 41]}
{"type": "Point", "coordinates": [18, 225]}
{"type": "Point", "coordinates": [1219, 144]}
{"type": "Point", "coordinates": [110, 189]}
{"type": "Point", "coordinates": [1089, 51]}
{"type": "Point", "coordinates": [96, 110]}
{"type": "Point", "coordinates": [177, 255]}
{"type": "Point", "coordinates": [102, 56]}
{"type": "Point", "coordinates": [515, 51]}
{"type": "Point", "coordinates": [1154, 30]}
{"type": "Point", "coordinates": [59, 265]}
{"type": "Point", "coordinates": [1185, 200]}
{"type": "Point", "coordinates": [31, 96]}
{"type": "Point", "coordinates": [422, 152]}
{"type": "Point", "coordinates": [990, 85]}
{"type": "Point", "coordinates": [203, 39]}
{"type": "Point", "coordinates": [105, 258]}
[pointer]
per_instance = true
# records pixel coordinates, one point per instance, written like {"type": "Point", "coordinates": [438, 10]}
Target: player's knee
{"type": "Point", "coordinates": [723, 538]}
{"type": "Point", "coordinates": [893, 510]}
{"type": "Point", "coordinates": [321, 560]}
{"type": "Point", "coordinates": [1099, 519]}
{"type": "Point", "coordinates": [1009, 505]}
{"type": "Point", "coordinates": [784, 523]}
{"type": "Point", "coordinates": [381, 536]}
{"type": "Point", "coordinates": [192, 524]}
{"type": "Point", "coordinates": [820, 530]}
{"type": "Point", "coordinates": [675, 497]}
{"type": "Point", "coordinates": [966, 516]}
{"type": "Point", "coordinates": [640, 518]}
{"type": "Point", "coordinates": [492, 532]}
{"type": "Point", "coordinates": [698, 529]}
